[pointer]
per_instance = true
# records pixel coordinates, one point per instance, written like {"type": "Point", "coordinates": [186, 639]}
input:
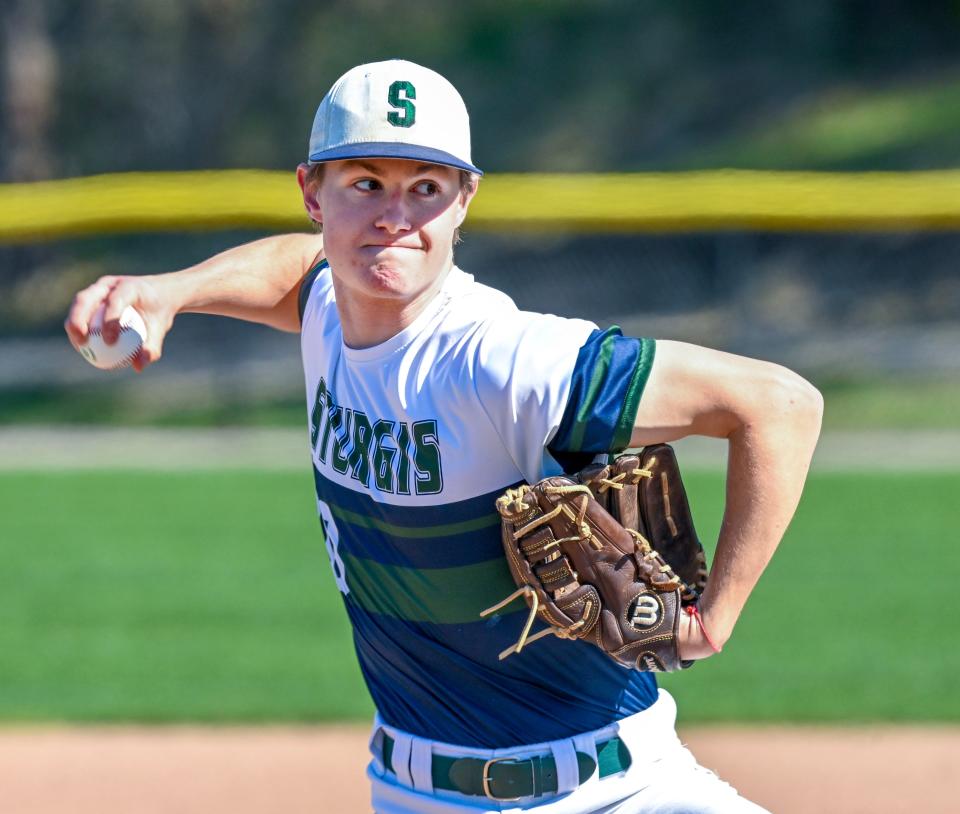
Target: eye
{"type": "Point", "coordinates": [367, 185]}
{"type": "Point", "coordinates": [427, 188]}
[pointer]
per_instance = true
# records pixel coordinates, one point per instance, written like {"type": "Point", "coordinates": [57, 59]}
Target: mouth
{"type": "Point", "coordinates": [378, 247]}
{"type": "Point", "coordinates": [383, 246]}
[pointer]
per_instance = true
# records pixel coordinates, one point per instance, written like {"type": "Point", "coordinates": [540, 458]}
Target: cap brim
{"type": "Point", "coordinates": [389, 149]}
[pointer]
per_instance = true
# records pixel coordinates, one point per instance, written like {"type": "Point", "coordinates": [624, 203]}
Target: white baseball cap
{"type": "Point", "coordinates": [392, 109]}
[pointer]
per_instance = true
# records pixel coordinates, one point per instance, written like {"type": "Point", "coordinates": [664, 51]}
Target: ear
{"type": "Point", "coordinates": [309, 190]}
{"type": "Point", "coordinates": [464, 202]}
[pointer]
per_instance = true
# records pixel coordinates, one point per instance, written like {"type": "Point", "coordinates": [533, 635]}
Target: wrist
{"type": "Point", "coordinates": [719, 624]}
{"type": "Point", "coordinates": [176, 292]}
{"type": "Point", "coordinates": [699, 628]}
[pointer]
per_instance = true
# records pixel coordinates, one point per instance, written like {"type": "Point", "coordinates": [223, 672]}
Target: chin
{"type": "Point", "coordinates": [389, 279]}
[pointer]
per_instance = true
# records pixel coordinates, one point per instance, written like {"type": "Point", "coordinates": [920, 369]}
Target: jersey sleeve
{"type": "Point", "coordinates": [608, 380]}
{"type": "Point", "coordinates": [524, 369]}
{"type": "Point", "coordinates": [307, 284]}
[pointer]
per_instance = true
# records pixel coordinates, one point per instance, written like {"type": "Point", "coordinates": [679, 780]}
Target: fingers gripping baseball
{"type": "Point", "coordinates": [115, 294]}
{"type": "Point", "coordinates": [85, 304]}
{"type": "Point", "coordinates": [141, 294]}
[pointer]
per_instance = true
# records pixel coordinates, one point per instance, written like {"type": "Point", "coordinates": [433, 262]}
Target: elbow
{"type": "Point", "coordinates": [796, 401]}
{"type": "Point", "coordinates": [816, 406]}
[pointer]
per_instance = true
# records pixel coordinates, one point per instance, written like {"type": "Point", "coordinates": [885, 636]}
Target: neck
{"type": "Point", "coordinates": [367, 321]}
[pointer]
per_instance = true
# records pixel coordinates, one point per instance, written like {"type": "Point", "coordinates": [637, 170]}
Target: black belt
{"type": "Point", "coordinates": [506, 778]}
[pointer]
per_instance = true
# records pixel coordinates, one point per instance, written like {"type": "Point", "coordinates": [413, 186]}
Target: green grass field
{"type": "Point", "coordinates": [208, 597]}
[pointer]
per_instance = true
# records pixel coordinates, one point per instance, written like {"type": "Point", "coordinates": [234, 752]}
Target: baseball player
{"type": "Point", "coordinates": [428, 394]}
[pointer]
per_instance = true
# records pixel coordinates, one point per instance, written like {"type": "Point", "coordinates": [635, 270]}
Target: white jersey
{"type": "Point", "coordinates": [412, 441]}
{"type": "Point", "coordinates": [494, 379]}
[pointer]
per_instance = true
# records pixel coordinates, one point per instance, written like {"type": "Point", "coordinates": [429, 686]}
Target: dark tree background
{"type": "Point", "coordinates": [552, 85]}
{"type": "Point", "coordinates": [104, 86]}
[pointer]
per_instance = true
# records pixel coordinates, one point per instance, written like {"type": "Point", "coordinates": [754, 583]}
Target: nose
{"type": "Point", "coordinates": [394, 217]}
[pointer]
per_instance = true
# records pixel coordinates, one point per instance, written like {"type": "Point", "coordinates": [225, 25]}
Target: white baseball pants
{"type": "Point", "coordinates": [663, 776]}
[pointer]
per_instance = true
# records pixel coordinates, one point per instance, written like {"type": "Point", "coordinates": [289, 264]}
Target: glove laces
{"type": "Point", "coordinates": [525, 638]}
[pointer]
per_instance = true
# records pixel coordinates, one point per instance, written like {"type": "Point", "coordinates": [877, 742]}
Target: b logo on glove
{"type": "Point", "coordinates": [645, 612]}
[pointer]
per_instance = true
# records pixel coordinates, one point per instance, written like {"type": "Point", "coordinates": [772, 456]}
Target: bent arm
{"type": "Point", "coordinates": [771, 418]}
{"type": "Point", "coordinates": [257, 282]}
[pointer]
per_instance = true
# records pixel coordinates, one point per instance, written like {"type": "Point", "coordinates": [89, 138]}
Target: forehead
{"type": "Point", "coordinates": [389, 167]}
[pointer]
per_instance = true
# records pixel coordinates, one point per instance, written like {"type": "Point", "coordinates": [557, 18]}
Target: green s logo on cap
{"type": "Point", "coordinates": [399, 97]}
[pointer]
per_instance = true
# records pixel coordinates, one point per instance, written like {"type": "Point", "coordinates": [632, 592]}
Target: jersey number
{"type": "Point", "coordinates": [399, 96]}
{"type": "Point", "coordinates": [332, 538]}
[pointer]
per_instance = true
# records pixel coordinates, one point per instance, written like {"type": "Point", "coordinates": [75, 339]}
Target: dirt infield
{"type": "Point", "coordinates": [320, 769]}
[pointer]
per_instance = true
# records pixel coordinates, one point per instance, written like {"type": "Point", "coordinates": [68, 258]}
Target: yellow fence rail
{"type": "Point", "coordinates": [655, 202]}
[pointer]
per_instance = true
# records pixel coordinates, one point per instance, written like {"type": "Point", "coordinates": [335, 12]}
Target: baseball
{"type": "Point", "coordinates": [98, 353]}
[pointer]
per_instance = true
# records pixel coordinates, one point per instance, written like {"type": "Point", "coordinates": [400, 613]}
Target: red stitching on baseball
{"type": "Point", "coordinates": [127, 360]}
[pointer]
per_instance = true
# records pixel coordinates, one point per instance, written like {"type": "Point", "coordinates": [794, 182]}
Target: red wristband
{"type": "Point", "coordinates": [694, 611]}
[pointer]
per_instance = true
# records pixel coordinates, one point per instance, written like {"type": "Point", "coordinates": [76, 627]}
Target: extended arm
{"type": "Point", "coordinates": [257, 282]}
{"type": "Point", "coordinates": [771, 417]}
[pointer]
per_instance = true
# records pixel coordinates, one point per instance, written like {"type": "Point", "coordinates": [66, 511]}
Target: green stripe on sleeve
{"type": "Point", "coordinates": [596, 383]}
{"type": "Point", "coordinates": [450, 596]}
{"type": "Point", "coordinates": [631, 401]}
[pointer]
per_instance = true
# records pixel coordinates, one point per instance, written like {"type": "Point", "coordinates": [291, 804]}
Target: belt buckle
{"type": "Point", "coordinates": [486, 779]}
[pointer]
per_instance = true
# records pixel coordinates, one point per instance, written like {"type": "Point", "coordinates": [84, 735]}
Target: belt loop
{"type": "Point", "coordinates": [375, 745]}
{"type": "Point", "coordinates": [587, 744]}
{"type": "Point", "coordinates": [421, 765]}
{"type": "Point", "coordinates": [568, 773]}
{"type": "Point", "coordinates": [400, 759]}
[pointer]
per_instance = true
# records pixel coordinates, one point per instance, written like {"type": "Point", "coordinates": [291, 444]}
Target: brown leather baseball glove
{"type": "Point", "coordinates": [578, 550]}
{"type": "Point", "coordinates": [645, 492]}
